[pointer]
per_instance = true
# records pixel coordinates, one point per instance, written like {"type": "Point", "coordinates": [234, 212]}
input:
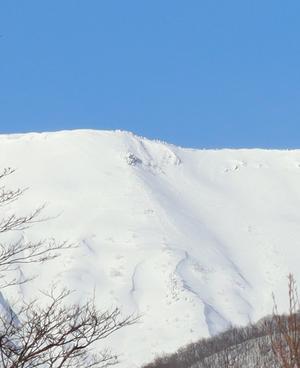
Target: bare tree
{"type": "Point", "coordinates": [12, 255]}
{"type": "Point", "coordinates": [57, 335]}
{"type": "Point", "coordinates": [284, 330]}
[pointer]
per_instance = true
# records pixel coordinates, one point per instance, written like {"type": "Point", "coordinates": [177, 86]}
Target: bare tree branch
{"type": "Point", "coordinates": [58, 335]}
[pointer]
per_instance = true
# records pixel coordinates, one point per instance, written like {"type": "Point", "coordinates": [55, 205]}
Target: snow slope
{"type": "Point", "coordinates": [192, 240]}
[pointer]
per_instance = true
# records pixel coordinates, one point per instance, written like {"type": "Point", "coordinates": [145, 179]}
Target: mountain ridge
{"type": "Point", "coordinates": [44, 134]}
{"type": "Point", "coordinates": [193, 240]}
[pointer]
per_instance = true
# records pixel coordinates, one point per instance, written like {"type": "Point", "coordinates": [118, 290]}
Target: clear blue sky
{"type": "Point", "coordinates": [199, 73]}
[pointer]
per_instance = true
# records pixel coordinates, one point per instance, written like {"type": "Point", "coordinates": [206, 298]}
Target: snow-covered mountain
{"type": "Point", "coordinates": [192, 240]}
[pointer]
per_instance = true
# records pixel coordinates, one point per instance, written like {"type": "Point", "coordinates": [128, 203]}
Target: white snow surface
{"type": "Point", "coordinates": [191, 240]}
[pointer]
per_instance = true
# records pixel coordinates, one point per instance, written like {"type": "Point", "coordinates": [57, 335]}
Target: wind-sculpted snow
{"type": "Point", "coordinates": [192, 240]}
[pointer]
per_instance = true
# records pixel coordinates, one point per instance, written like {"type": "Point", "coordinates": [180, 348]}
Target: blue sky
{"type": "Point", "coordinates": [196, 73]}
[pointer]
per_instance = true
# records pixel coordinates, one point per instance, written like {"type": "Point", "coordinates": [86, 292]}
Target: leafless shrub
{"type": "Point", "coordinates": [284, 330]}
